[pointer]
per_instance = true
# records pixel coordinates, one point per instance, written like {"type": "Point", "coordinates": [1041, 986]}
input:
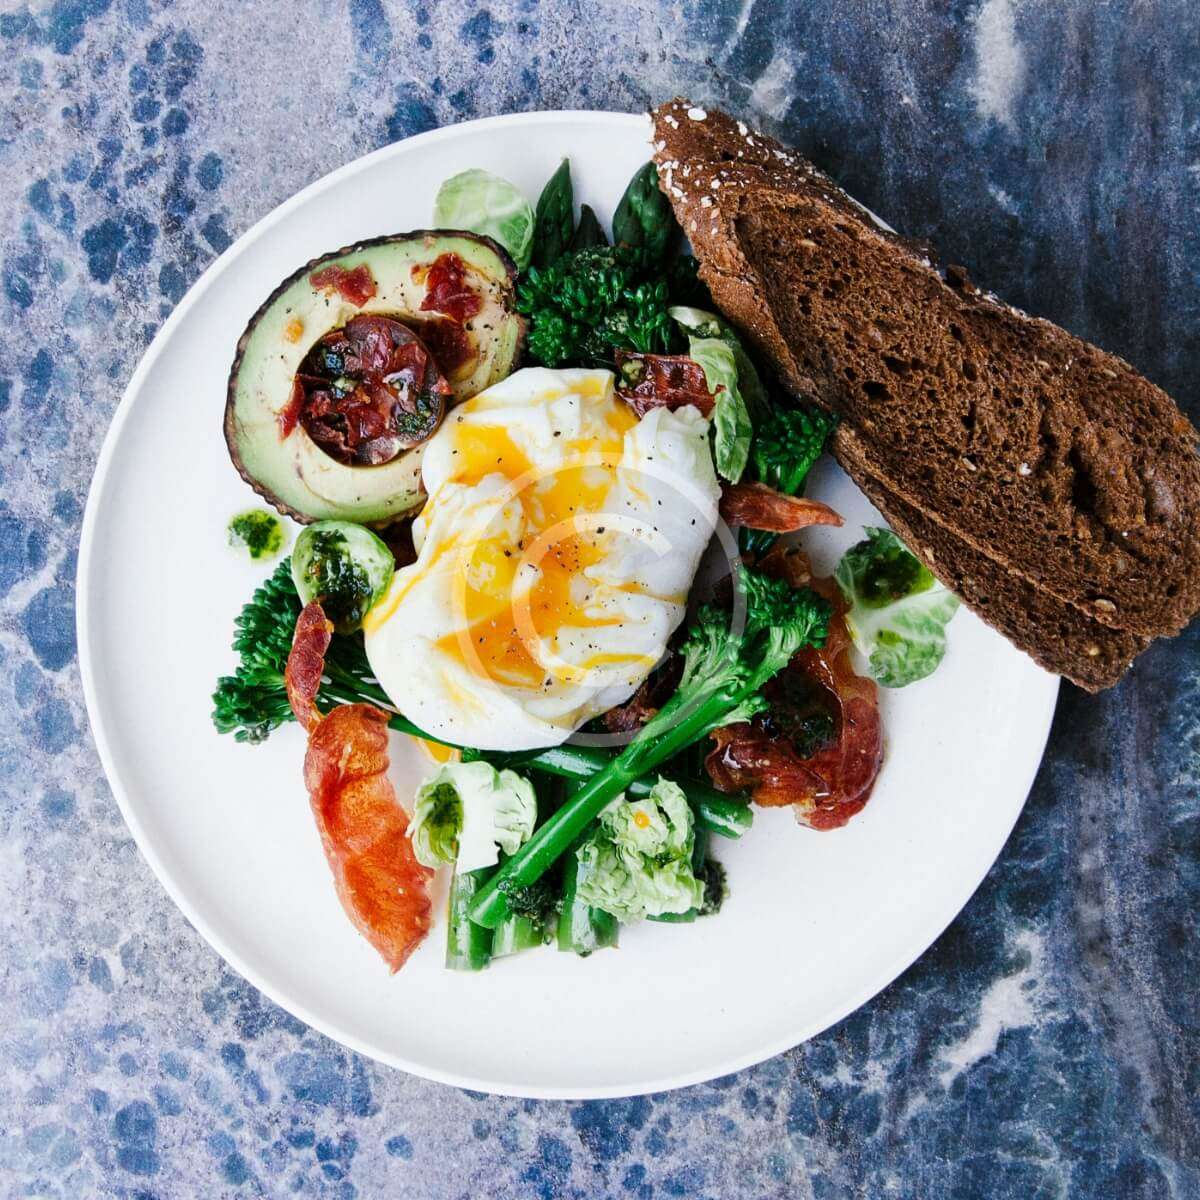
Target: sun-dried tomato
{"type": "Point", "coordinates": [447, 291]}
{"type": "Point", "coordinates": [355, 285]}
{"type": "Point", "coordinates": [646, 381]}
{"type": "Point", "coordinates": [371, 390]}
{"type": "Point", "coordinates": [820, 745]}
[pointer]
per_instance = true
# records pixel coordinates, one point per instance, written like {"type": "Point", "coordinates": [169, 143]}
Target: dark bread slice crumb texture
{"type": "Point", "coordinates": [857, 457]}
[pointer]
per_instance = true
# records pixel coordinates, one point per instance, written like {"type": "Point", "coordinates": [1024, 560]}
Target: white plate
{"type": "Point", "coordinates": [815, 924]}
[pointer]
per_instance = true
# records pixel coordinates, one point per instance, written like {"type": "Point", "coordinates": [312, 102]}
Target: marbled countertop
{"type": "Point", "coordinates": [1048, 1045]}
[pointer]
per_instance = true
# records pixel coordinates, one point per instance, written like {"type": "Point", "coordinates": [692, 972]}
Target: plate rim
{"type": "Point", "coordinates": [131, 396]}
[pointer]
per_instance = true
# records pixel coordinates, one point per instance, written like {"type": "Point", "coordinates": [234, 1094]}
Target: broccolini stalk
{"type": "Point", "coordinates": [515, 933]}
{"type": "Point", "coordinates": [643, 221]}
{"type": "Point", "coordinates": [582, 929]}
{"type": "Point", "coordinates": [530, 919]}
{"type": "Point", "coordinates": [726, 816]}
{"type": "Point", "coordinates": [468, 946]}
{"type": "Point", "coordinates": [722, 677]}
{"type": "Point", "coordinates": [787, 442]}
{"type": "Point", "coordinates": [554, 217]}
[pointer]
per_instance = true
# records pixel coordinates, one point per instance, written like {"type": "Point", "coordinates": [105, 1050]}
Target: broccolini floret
{"type": "Point", "coordinates": [253, 701]}
{"type": "Point", "coordinates": [787, 442]}
{"type": "Point", "coordinates": [592, 302]}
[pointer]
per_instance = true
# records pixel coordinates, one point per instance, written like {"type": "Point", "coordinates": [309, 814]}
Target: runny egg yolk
{"type": "Point", "coordinates": [499, 637]}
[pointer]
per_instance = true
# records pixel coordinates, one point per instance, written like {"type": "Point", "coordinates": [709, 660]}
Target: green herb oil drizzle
{"type": "Point", "coordinates": [260, 533]}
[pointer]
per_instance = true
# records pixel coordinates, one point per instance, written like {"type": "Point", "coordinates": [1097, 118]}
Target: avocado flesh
{"type": "Point", "coordinates": [292, 472]}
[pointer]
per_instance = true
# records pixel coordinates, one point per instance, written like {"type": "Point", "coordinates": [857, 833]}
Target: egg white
{"type": "Point", "coordinates": [555, 554]}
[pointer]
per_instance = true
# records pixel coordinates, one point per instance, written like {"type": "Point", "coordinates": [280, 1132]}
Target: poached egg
{"type": "Point", "coordinates": [555, 554]}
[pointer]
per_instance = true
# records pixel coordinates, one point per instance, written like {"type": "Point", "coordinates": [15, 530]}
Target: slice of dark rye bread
{"type": "Point", "coordinates": [1044, 454]}
{"type": "Point", "coordinates": [1085, 504]}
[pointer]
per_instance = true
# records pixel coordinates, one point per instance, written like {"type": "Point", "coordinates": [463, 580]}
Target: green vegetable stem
{"type": "Point", "coordinates": [468, 946]}
{"type": "Point", "coordinates": [586, 299]}
{"type": "Point", "coordinates": [589, 232]}
{"type": "Point", "coordinates": [582, 929]}
{"type": "Point", "coordinates": [726, 816]}
{"type": "Point", "coordinates": [516, 933]}
{"type": "Point", "coordinates": [529, 918]}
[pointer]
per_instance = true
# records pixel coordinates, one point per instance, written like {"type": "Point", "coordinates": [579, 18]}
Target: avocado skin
{"type": "Point", "coordinates": [231, 423]}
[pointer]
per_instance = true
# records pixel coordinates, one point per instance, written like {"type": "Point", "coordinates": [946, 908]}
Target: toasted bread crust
{"type": "Point", "coordinates": [1050, 458]}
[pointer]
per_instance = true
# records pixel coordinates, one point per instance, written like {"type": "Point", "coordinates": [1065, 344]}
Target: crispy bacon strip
{"type": "Point", "coordinates": [647, 700]}
{"type": "Point", "coordinates": [826, 787]}
{"type": "Point", "coordinates": [448, 343]}
{"type": "Point", "coordinates": [306, 663]}
{"type": "Point", "coordinates": [758, 506]}
{"type": "Point", "coordinates": [382, 887]}
{"type": "Point", "coordinates": [633, 714]}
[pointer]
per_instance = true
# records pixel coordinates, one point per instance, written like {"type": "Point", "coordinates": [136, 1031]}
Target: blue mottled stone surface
{"type": "Point", "coordinates": [1047, 1046]}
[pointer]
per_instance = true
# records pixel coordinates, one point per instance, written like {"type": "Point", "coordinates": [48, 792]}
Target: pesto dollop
{"type": "Point", "coordinates": [259, 533]}
{"type": "Point", "coordinates": [344, 566]}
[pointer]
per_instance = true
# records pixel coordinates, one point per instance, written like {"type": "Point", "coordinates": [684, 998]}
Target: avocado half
{"type": "Point", "coordinates": [271, 448]}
